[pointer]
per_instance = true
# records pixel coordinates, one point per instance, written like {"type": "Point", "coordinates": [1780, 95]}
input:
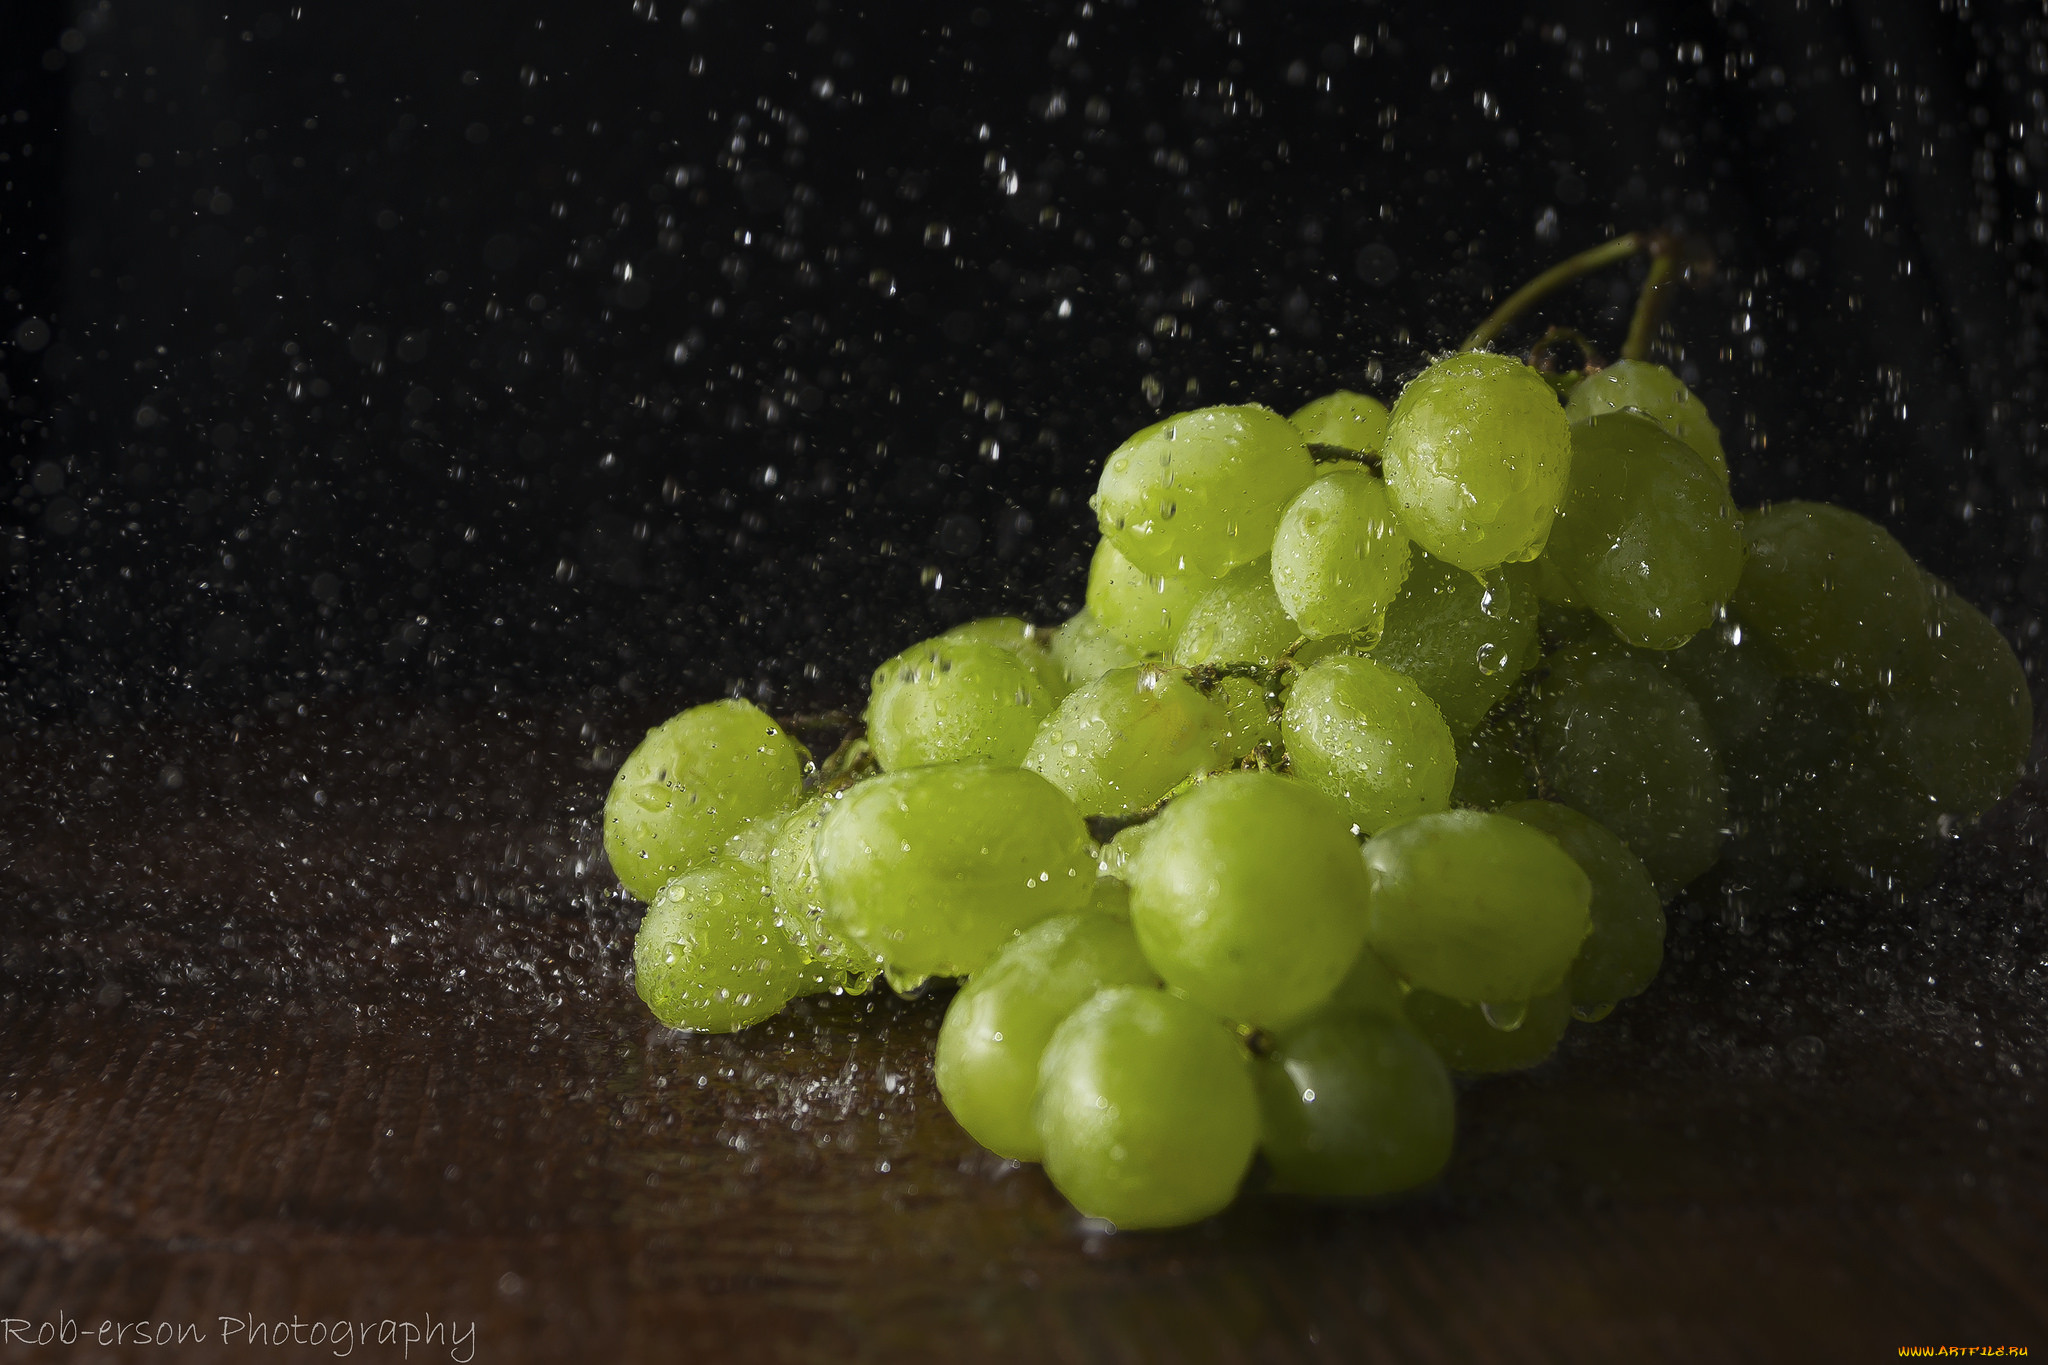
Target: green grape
{"type": "Point", "coordinates": [986, 1063]}
{"type": "Point", "coordinates": [1642, 386]}
{"type": "Point", "coordinates": [1145, 1109]}
{"type": "Point", "coordinates": [1646, 536]}
{"type": "Point", "coordinates": [1621, 956]}
{"type": "Point", "coordinates": [1113, 859]}
{"type": "Point", "coordinates": [1344, 420]}
{"type": "Point", "coordinates": [1369, 737]}
{"type": "Point", "coordinates": [1832, 595]}
{"type": "Point", "coordinates": [1475, 906]}
{"type": "Point", "coordinates": [1239, 621]}
{"type": "Point", "coordinates": [1339, 554]}
{"type": "Point", "coordinates": [1248, 897]}
{"type": "Point", "coordinates": [1200, 493]}
{"type": "Point", "coordinates": [1032, 644]}
{"type": "Point", "coordinates": [1144, 613]}
{"type": "Point", "coordinates": [1123, 741]}
{"type": "Point", "coordinates": [1461, 638]}
{"type": "Point", "coordinates": [793, 880]}
{"type": "Point", "coordinates": [1962, 728]}
{"type": "Point", "coordinates": [1370, 988]}
{"type": "Point", "coordinates": [1552, 587]}
{"type": "Point", "coordinates": [1618, 738]}
{"type": "Point", "coordinates": [1727, 674]}
{"type": "Point", "coordinates": [1247, 706]}
{"type": "Point", "coordinates": [933, 869]}
{"type": "Point", "coordinates": [711, 954]}
{"type": "Point", "coordinates": [1471, 1040]}
{"type": "Point", "coordinates": [1477, 453]}
{"type": "Point", "coordinates": [1110, 899]}
{"type": "Point", "coordinates": [1816, 791]}
{"type": "Point", "coordinates": [754, 841]}
{"type": "Point", "coordinates": [1085, 650]}
{"type": "Point", "coordinates": [951, 701]}
{"type": "Point", "coordinates": [694, 782]}
{"type": "Point", "coordinates": [1494, 768]}
{"type": "Point", "coordinates": [1352, 1107]}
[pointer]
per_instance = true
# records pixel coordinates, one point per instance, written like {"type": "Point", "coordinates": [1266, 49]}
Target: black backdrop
{"type": "Point", "coordinates": [657, 350]}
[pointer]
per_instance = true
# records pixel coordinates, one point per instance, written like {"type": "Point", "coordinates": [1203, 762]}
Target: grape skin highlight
{"type": "Point", "coordinates": [1120, 743]}
{"type": "Point", "coordinates": [1249, 898]}
{"type": "Point", "coordinates": [1477, 454]}
{"type": "Point", "coordinates": [1476, 906]}
{"type": "Point", "coordinates": [1647, 536]}
{"type": "Point", "coordinates": [1338, 555]}
{"type": "Point", "coordinates": [1370, 738]}
{"type": "Point", "coordinates": [949, 701]}
{"type": "Point", "coordinates": [711, 953]}
{"type": "Point", "coordinates": [1641, 386]}
{"type": "Point", "coordinates": [1146, 1109]}
{"type": "Point", "coordinates": [1143, 611]}
{"type": "Point", "coordinates": [934, 869]}
{"type": "Point", "coordinates": [986, 1062]}
{"type": "Point", "coordinates": [1200, 493]}
{"type": "Point", "coordinates": [693, 783]}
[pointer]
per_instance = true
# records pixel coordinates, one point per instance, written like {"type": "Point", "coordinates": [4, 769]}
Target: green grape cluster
{"type": "Point", "coordinates": [1373, 756]}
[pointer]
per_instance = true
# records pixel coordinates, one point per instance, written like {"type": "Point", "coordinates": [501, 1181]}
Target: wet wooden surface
{"type": "Point", "coordinates": [328, 1017]}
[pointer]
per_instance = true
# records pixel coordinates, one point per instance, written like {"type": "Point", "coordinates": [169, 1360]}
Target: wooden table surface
{"type": "Point", "coordinates": [327, 1017]}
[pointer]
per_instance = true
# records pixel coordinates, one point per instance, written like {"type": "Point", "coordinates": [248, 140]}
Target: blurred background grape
{"type": "Point", "coordinates": [645, 352]}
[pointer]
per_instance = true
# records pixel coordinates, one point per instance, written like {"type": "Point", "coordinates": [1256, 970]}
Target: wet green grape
{"type": "Point", "coordinates": [1477, 454]}
{"type": "Point", "coordinates": [1085, 651]}
{"type": "Point", "coordinates": [1473, 1044]}
{"type": "Point", "coordinates": [1831, 595]}
{"type": "Point", "coordinates": [1646, 536]}
{"type": "Point", "coordinates": [1462, 638]}
{"type": "Point", "coordinates": [1113, 859]}
{"type": "Point", "coordinates": [694, 782]}
{"type": "Point", "coordinates": [1494, 766]}
{"type": "Point", "coordinates": [1644, 387]}
{"type": "Point", "coordinates": [793, 881]}
{"type": "Point", "coordinates": [1727, 673]}
{"type": "Point", "coordinates": [1142, 611]}
{"type": "Point", "coordinates": [1344, 420]}
{"type": "Point", "coordinates": [1352, 1106]}
{"type": "Point", "coordinates": [1110, 899]}
{"type": "Point", "coordinates": [711, 954]}
{"type": "Point", "coordinates": [948, 701]}
{"type": "Point", "coordinates": [1621, 956]}
{"type": "Point", "coordinates": [1370, 738]}
{"type": "Point", "coordinates": [934, 869]}
{"type": "Point", "coordinates": [1622, 741]}
{"type": "Point", "coordinates": [1248, 897]}
{"type": "Point", "coordinates": [1145, 1109]}
{"type": "Point", "coordinates": [1964, 726]}
{"type": "Point", "coordinates": [1120, 743]}
{"type": "Point", "coordinates": [1032, 644]}
{"type": "Point", "coordinates": [1339, 555]}
{"type": "Point", "coordinates": [1475, 906]}
{"type": "Point", "coordinates": [986, 1062]}
{"type": "Point", "coordinates": [1370, 988]}
{"type": "Point", "coordinates": [1238, 621]}
{"type": "Point", "coordinates": [1200, 493]}
{"type": "Point", "coordinates": [1250, 721]}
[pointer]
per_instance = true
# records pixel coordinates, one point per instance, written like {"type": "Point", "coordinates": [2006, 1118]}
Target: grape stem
{"type": "Point", "coordinates": [1563, 273]}
{"type": "Point", "coordinates": [1642, 328]}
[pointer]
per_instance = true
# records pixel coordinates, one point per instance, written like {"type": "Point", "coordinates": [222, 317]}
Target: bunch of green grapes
{"type": "Point", "coordinates": [1378, 747]}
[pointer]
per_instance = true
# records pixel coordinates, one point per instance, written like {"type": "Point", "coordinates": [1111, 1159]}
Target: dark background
{"type": "Point", "coordinates": [677, 349]}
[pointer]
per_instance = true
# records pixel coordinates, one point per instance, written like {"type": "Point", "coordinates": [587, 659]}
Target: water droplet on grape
{"type": "Point", "coordinates": [1591, 1014]}
{"type": "Point", "coordinates": [1506, 1016]}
